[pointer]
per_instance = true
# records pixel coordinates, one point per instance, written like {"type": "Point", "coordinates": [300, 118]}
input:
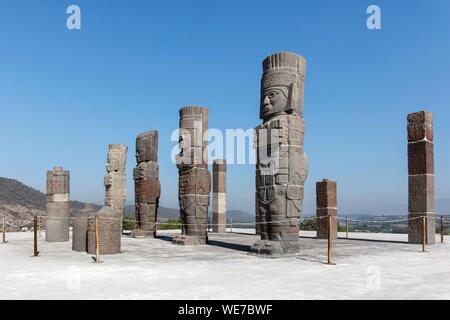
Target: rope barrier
{"type": "Point", "coordinates": [250, 223]}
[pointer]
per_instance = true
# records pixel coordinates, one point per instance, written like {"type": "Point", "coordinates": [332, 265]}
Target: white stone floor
{"type": "Point", "coordinates": [157, 269]}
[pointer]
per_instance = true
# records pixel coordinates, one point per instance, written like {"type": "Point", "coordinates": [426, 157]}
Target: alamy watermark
{"type": "Point", "coordinates": [373, 281]}
{"type": "Point", "coordinates": [374, 20]}
{"type": "Point", "coordinates": [73, 21]}
{"type": "Point", "coordinates": [236, 146]}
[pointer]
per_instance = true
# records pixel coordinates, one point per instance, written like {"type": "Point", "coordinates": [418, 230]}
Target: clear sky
{"type": "Point", "coordinates": [66, 94]}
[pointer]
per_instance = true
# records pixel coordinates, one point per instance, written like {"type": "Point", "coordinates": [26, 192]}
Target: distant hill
{"type": "Point", "coordinates": [19, 202]}
{"type": "Point", "coordinates": [13, 192]}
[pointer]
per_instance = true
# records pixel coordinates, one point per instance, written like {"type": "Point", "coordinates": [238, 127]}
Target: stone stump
{"type": "Point", "coordinates": [80, 229]}
{"type": "Point", "coordinates": [326, 204]}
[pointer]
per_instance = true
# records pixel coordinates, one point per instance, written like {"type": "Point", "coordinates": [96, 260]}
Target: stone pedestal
{"type": "Point", "coordinates": [109, 232]}
{"type": "Point", "coordinates": [194, 182]}
{"type": "Point", "coordinates": [80, 229]}
{"type": "Point", "coordinates": [57, 205]}
{"type": "Point", "coordinates": [281, 168]}
{"type": "Point", "coordinates": [326, 205]}
{"type": "Point", "coordinates": [146, 184]}
{"type": "Point", "coordinates": [421, 201]}
{"type": "Point", "coordinates": [219, 196]}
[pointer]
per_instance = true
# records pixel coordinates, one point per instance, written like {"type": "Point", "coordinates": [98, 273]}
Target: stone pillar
{"type": "Point", "coordinates": [281, 162]}
{"type": "Point", "coordinates": [194, 182]}
{"type": "Point", "coordinates": [80, 228]}
{"type": "Point", "coordinates": [57, 221]}
{"type": "Point", "coordinates": [421, 202]}
{"type": "Point", "coordinates": [146, 184]}
{"type": "Point", "coordinates": [326, 204]}
{"type": "Point", "coordinates": [111, 215]}
{"type": "Point", "coordinates": [219, 196]}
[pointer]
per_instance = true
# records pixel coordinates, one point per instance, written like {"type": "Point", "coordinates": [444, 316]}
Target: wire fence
{"type": "Point", "coordinates": [253, 223]}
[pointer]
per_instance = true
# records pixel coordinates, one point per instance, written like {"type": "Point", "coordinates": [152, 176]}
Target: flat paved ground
{"type": "Point", "coordinates": [157, 269]}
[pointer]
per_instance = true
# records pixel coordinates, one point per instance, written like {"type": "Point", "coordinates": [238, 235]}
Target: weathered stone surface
{"type": "Point", "coordinates": [111, 215]}
{"type": "Point", "coordinates": [421, 199]}
{"type": "Point", "coordinates": [147, 147]}
{"type": "Point", "coordinates": [281, 162]}
{"type": "Point", "coordinates": [420, 126]}
{"type": "Point", "coordinates": [194, 178]}
{"type": "Point", "coordinates": [219, 196]}
{"type": "Point", "coordinates": [193, 139]}
{"type": "Point", "coordinates": [80, 229]}
{"type": "Point", "coordinates": [326, 205]}
{"type": "Point", "coordinates": [109, 231]}
{"type": "Point", "coordinates": [326, 194]}
{"type": "Point", "coordinates": [57, 205]}
{"type": "Point", "coordinates": [421, 193]}
{"type": "Point", "coordinates": [146, 184]}
{"type": "Point", "coordinates": [415, 227]}
{"type": "Point", "coordinates": [421, 157]}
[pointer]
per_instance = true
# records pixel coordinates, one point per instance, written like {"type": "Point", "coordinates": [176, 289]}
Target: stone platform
{"type": "Point", "coordinates": [223, 269]}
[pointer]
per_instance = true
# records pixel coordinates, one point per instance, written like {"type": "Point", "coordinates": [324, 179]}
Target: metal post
{"type": "Point", "coordinates": [346, 227]}
{"type": "Point", "coordinates": [39, 227]}
{"type": "Point", "coordinates": [35, 231]}
{"type": "Point", "coordinates": [330, 242]}
{"type": "Point", "coordinates": [424, 225]}
{"type": "Point", "coordinates": [97, 247]}
{"type": "Point", "coordinates": [231, 221]}
{"type": "Point", "coordinates": [442, 229]}
{"type": "Point", "coordinates": [4, 230]}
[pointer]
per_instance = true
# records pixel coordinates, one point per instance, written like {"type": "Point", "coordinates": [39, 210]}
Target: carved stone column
{"type": "Point", "coordinates": [146, 184]}
{"type": "Point", "coordinates": [111, 215]}
{"type": "Point", "coordinates": [421, 201]}
{"type": "Point", "coordinates": [219, 196]}
{"type": "Point", "coordinates": [57, 221]}
{"type": "Point", "coordinates": [194, 178]}
{"type": "Point", "coordinates": [281, 162]}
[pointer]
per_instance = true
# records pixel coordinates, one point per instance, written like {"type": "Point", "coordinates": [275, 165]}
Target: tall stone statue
{"type": "Point", "coordinates": [110, 216]}
{"type": "Point", "coordinates": [57, 221]}
{"type": "Point", "coordinates": [421, 199]}
{"type": "Point", "coordinates": [146, 184]}
{"type": "Point", "coordinates": [281, 168]}
{"type": "Point", "coordinates": [194, 182]}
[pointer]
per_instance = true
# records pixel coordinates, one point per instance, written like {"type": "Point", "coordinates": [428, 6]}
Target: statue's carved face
{"type": "Point", "coordinates": [274, 100]}
{"type": "Point", "coordinates": [140, 149]}
{"type": "Point", "coordinates": [114, 161]}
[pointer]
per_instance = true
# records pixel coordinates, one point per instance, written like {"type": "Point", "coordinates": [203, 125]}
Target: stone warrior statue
{"type": "Point", "coordinates": [111, 215]}
{"type": "Point", "coordinates": [146, 184]}
{"type": "Point", "coordinates": [281, 168]}
{"type": "Point", "coordinates": [194, 182]}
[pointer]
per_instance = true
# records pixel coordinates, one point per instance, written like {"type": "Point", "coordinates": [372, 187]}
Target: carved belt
{"type": "Point", "coordinates": [266, 194]}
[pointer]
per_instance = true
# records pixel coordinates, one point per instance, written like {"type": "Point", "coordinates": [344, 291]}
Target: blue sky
{"type": "Point", "coordinates": [65, 95]}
